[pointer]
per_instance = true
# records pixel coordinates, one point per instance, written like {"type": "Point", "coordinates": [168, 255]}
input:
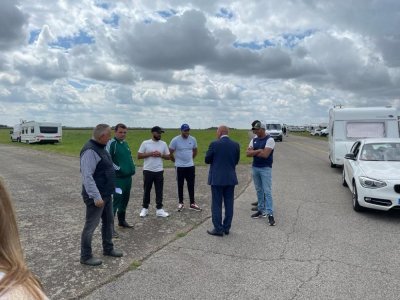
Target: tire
{"type": "Point", "coordinates": [344, 183]}
{"type": "Point", "coordinates": [356, 206]}
{"type": "Point", "coordinates": [333, 165]}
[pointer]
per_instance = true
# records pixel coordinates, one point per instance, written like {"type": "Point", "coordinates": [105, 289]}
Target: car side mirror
{"type": "Point", "coordinates": [350, 156]}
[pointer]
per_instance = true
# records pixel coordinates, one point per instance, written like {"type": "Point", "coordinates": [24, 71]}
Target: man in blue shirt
{"type": "Point", "coordinates": [185, 148]}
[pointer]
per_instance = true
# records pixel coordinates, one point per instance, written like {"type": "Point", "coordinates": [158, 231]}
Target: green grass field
{"type": "Point", "coordinates": [73, 140]}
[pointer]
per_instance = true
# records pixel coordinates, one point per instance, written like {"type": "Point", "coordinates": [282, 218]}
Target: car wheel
{"type": "Point", "coordinates": [344, 183]}
{"type": "Point", "coordinates": [333, 165]}
{"type": "Point", "coordinates": [356, 206]}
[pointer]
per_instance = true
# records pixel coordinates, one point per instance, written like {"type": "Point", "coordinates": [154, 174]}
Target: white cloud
{"type": "Point", "coordinates": [201, 62]}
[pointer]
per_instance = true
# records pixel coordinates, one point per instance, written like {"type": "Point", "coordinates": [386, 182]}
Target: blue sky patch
{"type": "Point", "coordinates": [290, 40]}
{"type": "Point", "coordinates": [33, 36]}
{"type": "Point", "coordinates": [69, 42]}
{"type": "Point", "coordinates": [102, 4]}
{"type": "Point", "coordinates": [113, 21]}
{"type": "Point", "coordinates": [166, 13]}
{"type": "Point", "coordinates": [254, 45]}
{"type": "Point", "coordinates": [224, 13]}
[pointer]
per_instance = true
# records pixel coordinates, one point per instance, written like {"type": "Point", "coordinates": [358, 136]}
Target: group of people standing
{"type": "Point", "coordinates": [107, 168]}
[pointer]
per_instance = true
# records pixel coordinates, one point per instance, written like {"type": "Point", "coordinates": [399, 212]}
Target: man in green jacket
{"type": "Point", "coordinates": [124, 167]}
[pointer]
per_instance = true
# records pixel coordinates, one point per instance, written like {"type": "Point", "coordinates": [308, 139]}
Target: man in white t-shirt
{"type": "Point", "coordinates": [183, 149]}
{"type": "Point", "coordinates": [153, 151]}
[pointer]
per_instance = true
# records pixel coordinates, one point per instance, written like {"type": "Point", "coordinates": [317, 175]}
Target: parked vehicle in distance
{"type": "Point", "coordinates": [316, 132]}
{"type": "Point", "coordinates": [346, 125]}
{"type": "Point", "coordinates": [324, 132]}
{"type": "Point", "coordinates": [274, 129]}
{"type": "Point", "coordinates": [15, 133]}
{"type": "Point", "coordinates": [372, 172]}
{"type": "Point", "coordinates": [40, 132]}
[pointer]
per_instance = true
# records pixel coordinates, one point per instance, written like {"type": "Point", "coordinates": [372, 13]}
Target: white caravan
{"type": "Point", "coordinates": [40, 132]}
{"type": "Point", "coordinates": [346, 125]}
{"type": "Point", "coordinates": [274, 128]}
{"type": "Point", "coordinates": [15, 134]}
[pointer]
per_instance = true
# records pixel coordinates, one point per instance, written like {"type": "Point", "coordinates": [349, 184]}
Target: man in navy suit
{"type": "Point", "coordinates": [223, 155]}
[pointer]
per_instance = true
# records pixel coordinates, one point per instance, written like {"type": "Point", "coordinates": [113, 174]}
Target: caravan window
{"type": "Point", "coordinates": [32, 130]}
{"type": "Point", "coordinates": [48, 129]}
{"type": "Point", "coordinates": [365, 130]}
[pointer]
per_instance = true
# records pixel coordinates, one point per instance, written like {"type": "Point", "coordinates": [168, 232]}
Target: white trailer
{"type": "Point", "coordinates": [15, 133]}
{"type": "Point", "coordinates": [346, 125]}
{"type": "Point", "coordinates": [40, 132]}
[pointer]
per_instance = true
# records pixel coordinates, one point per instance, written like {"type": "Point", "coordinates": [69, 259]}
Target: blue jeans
{"type": "Point", "coordinates": [93, 216]}
{"type": "Point", "coordinates": [262, 178]}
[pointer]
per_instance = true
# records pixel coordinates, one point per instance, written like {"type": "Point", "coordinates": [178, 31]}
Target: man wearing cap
{"type": "Point", "coordinates": [261, 148]}
{"type": "Point", "coordinates": [153, 151]}
{"type": "Point", "coordinates": [185, 148]}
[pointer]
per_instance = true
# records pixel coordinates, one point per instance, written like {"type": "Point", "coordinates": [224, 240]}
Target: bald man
{"type": "Point", "coordinates": [222, 155]}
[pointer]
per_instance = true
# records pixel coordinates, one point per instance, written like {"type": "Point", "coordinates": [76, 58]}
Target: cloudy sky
{"type": "Point", "coordinates": [204, 62]}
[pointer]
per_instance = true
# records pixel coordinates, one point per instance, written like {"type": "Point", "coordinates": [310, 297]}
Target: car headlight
{"type": "Point", "coordinates": [371, 183]}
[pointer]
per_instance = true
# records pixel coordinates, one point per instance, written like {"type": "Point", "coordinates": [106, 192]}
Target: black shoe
{"type": "Point", "coordinates": [122, 221]}
{"type": "Point", "coordinates": [226, 232]}
{"type": "Point", "coordinates": [255, 208]}
{"type": "Point", "coordinates": [255, 203]}
{"type": "Point", "coordinates": [113, 253]}
{"type": "Point", "coordinates": [91, 261]}
{"type": "Point", "coordinates": [258, 215]}
{"type": "Point", "coordinates": [271, 220]}
{"type": "Point", "coordinates": [214, 232]}
{"type": "Point", "coordinates": [124, 224]}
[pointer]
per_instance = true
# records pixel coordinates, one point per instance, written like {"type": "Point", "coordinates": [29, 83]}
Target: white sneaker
{"type": "Point", "coordinates": [161, 213]}
{"type": "Point", "coordinates": [144, 212]}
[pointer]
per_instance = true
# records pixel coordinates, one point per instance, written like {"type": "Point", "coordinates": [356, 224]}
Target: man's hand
{"type": "Point", "coordinates": [156, 154]}
{"type": "Point", "coordinates": [99, 203]}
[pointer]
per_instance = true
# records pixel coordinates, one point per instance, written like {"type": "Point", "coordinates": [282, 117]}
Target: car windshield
{"type": "Point", "coordinates": [381, 152]}
{"type": "Point", "coordinates": [273, 126]}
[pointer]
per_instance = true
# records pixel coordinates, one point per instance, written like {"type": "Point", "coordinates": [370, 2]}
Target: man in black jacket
{"type": "Point", "coordinates": [97, 188]}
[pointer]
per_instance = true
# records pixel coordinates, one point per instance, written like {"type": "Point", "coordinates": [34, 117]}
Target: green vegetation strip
{"type": "Point", "coordinates": [73, 140]}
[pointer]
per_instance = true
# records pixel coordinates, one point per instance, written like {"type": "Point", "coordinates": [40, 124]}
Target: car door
{"type": "Point", "coordinates": [352, 165]}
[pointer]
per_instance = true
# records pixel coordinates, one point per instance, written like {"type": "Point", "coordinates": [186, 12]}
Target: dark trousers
{"type": "Point", "coordinates": [120, 201]}
{"type": "Point", "coordinates": [93, 216]}
{"type": "Point", "coordinates": [225, 194]}
{"type": "Point", "coordinates": [187, 173]}
{"type": "Point", "coordinates": [148, 179]}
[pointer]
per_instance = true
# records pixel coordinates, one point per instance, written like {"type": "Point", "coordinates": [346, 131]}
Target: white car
{"type": "Point", "coordinates": [316, 132]}
{"type": "Point", "coordinates": [372, 172]}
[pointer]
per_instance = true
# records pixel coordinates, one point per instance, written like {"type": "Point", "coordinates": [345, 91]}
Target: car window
{"type": "Point", "coordinates": [354, 148]}
{"type": "Point", "coordinates": [381, 152]}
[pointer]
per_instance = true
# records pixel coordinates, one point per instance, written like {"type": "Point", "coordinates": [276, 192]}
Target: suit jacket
{"type": "Point", "coordinates": [223, 155]}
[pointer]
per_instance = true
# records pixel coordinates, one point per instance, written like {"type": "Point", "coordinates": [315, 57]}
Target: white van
{"type": "Point", "coordinates": [274, 129]}
{"type": "Point", "coordinates": [15, 133]}
{"type": "Point", "coordinates": [40, 132]}
{"type": "Point", "coordinates": [346, 125]}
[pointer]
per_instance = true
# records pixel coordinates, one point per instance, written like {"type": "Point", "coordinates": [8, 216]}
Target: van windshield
{"type": "Point", "coordinates": [274, 127]}
{"type": "Point", "coordinates": [48, 129]}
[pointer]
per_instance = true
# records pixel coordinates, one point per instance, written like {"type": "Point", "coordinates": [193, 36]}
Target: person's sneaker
{"type": "Point", "coordinates": [255, 203]}
{"type": "Point", "coordinates": [194, 206]}
{"type": "Point", "coordinates": [161, 213]}
{"type": "Point", "coordinates": [258, 215]}
{"type": "Point", "coordinates": [144, 212]}
{"type": "Point", "coordinates": [271, 220]}
{"type": "Point", "coordinates": [181, 206]}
